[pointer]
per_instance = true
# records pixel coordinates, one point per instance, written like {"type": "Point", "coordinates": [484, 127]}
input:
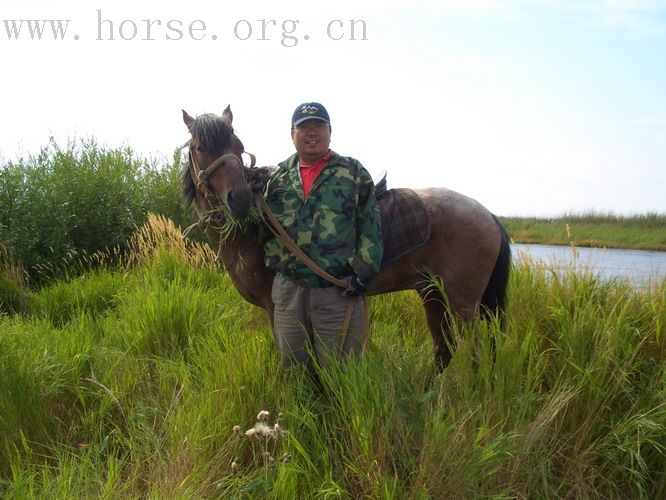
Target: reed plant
{"type": "Point", "coordinates": [154, 379]}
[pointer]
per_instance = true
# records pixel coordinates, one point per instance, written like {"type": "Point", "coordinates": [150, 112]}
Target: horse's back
{"type": "Point", "coordinates": [460, 219]}
{"type": "Point", "coordinates": [463, 247]}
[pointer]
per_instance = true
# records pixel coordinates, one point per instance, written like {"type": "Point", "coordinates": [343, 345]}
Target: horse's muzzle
{"type": "Point", "coordinates": [239, 202]}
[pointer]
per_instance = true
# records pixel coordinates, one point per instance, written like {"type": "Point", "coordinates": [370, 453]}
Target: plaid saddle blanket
{"type": "Point", "coordinates": [405, 223]}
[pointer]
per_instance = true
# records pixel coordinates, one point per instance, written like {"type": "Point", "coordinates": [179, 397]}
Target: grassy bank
{"type": "Point", "coordinates": [644, 232]}
{"type": "Point", "coordinates": [128, 383]}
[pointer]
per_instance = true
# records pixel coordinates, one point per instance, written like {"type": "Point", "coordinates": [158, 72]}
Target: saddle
{"type": "Point", "coordinates": [404, 221]}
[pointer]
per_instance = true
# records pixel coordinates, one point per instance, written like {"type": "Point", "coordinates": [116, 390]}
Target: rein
{"type": "Point", "coordinates": [200, 178]}
{"type": "Point", "coordinates": [279, 232]}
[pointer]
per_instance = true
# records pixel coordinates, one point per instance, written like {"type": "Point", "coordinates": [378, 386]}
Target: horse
{"type": "Point", "coordinates": [467, 251]}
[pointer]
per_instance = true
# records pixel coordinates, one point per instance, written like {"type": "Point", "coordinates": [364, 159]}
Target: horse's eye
{"type": "Point", "coordinates": [201, 149]}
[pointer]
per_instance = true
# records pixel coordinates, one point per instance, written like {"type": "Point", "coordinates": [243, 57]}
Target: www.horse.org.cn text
{"type": "Point", "coordinates": [287, 32]}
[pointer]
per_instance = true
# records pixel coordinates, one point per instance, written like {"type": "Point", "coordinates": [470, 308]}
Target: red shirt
{"type": "Point", "coordinates": [310, 172]}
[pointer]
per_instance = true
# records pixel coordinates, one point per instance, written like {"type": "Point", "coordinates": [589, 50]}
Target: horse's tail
{"type": "Point", "coordinates": [494, 298]}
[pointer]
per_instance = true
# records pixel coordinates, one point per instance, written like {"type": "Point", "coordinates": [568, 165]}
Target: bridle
{"type": "Point", "coordinates": [201, 177]}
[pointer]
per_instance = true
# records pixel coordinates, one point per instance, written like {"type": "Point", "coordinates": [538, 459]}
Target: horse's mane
{"type": "Point", "coordinates": [212, 133]}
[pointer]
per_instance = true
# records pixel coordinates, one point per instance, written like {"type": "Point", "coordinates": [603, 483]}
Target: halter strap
{"type": "Point", "coordinates": [200, 177]}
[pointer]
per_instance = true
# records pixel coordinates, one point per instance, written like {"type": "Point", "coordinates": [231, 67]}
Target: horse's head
{"type": "Point", "coordinates": [215, 164]}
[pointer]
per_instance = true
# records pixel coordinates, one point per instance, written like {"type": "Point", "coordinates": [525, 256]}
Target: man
{"type": "Point", "coordinates": [326, 203]}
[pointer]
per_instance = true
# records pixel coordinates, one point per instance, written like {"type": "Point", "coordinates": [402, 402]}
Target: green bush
{"type": "Point", "coordinates": [64, 203]}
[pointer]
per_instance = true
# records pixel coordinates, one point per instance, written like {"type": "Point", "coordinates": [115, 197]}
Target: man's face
{"type": "Point", "coordinates": [311, 139]}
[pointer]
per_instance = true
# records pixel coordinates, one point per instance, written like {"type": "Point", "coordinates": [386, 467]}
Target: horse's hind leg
{"type": "Point", "coordinates": [438, 319]}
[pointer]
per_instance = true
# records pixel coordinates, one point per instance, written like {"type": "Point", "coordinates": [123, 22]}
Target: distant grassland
{"type": "Point", "coordinates": [643, 232]}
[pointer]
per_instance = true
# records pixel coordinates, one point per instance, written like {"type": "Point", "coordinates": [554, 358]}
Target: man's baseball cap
{"type": "Point", "coordinates": [309, 111]}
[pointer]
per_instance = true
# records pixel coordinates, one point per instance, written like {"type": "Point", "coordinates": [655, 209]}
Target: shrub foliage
{"type": "Point", "coordinates": [81, 199]}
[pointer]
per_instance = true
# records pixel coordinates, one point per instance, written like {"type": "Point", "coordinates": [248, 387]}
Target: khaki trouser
{"type": "Point", "coordinates": [310, 320]}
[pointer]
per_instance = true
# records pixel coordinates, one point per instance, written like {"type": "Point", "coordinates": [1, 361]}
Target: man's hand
{"type": "Point", "coordinates": [258, 178]}
{"type": "Point", "coordinates": [355, 286]}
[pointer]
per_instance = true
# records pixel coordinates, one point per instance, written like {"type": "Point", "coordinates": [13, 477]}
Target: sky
{"type": "Point", "coordinates": [536, 107]}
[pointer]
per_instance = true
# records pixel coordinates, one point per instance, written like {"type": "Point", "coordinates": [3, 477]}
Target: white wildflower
{"type": "Point", "coordinates": [263, 415]}
{"type": "Point", "coordinates": [259, 430]}
{"type": "Point", "coordinates": [262, 430]}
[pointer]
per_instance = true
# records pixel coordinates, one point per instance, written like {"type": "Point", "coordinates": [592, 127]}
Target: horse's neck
{"type": "Point", "coordinates": [232, 250]}
{"type": "Point", "coordinates": [243, 259]}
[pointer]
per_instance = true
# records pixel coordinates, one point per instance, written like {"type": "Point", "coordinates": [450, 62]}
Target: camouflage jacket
{"type": "Point", "coordinates": [337, 226]}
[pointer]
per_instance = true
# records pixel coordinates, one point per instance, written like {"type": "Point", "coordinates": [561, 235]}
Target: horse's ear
{"type": "Point", "coordinates": [189, 121]}
{"type": "Point", "coordinates": [228, 115]}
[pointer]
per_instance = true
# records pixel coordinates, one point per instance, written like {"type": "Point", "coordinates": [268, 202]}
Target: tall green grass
{"type": "Point", "coordinates": [128, 382]}
{"type": "Point", "coordinates": [645, 232]}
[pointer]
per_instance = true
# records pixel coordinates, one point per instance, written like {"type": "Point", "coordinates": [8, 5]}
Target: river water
{"type": "Point", "coordinates": [643, 269]}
